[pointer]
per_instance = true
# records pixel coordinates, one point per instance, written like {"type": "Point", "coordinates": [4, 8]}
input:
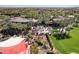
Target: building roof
{"type": "Point", "coordinates": [1, 20]}
{"type": "Point", "coordinates": [58, 19]}
{"type": "Point", "coordinates": [11, 41]}
{"type": "Point", "coordinates": [62, 18]}
{"type": "Point", "coordinates": [24, 20]}
{"type": "Point", "coordinates": [72, 16]}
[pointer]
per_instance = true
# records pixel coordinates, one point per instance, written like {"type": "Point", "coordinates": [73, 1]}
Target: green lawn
{"type": "Point", "coordinates": [67, 45]}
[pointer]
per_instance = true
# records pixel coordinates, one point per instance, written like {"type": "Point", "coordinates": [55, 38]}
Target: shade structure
{"type": "Point", "coordinates": [14, 45]}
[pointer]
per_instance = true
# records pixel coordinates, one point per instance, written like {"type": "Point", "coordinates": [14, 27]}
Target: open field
{"type": "Point", "coordinates": [70, 45]}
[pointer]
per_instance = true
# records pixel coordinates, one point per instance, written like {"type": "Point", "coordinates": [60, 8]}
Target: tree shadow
{"type": "Point", "coordinates": [62, 36]}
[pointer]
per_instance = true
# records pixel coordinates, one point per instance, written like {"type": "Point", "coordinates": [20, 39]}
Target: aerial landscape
{"type": "Point", "coordinates": [39, 30]}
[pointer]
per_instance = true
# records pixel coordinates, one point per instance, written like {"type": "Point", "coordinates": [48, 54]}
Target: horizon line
{"type": "Point", "coordinates": [38, 6]}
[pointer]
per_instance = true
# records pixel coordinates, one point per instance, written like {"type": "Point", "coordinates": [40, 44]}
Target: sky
{"type": "Point", "coordinates": [38, 3]}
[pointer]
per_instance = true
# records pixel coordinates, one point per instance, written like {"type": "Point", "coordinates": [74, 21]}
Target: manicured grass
{"type": "Point", "coordinates": [69, 45]}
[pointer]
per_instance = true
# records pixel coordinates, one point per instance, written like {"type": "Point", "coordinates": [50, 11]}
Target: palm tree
{"type": "Point", "coordinates": [33, 49]}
